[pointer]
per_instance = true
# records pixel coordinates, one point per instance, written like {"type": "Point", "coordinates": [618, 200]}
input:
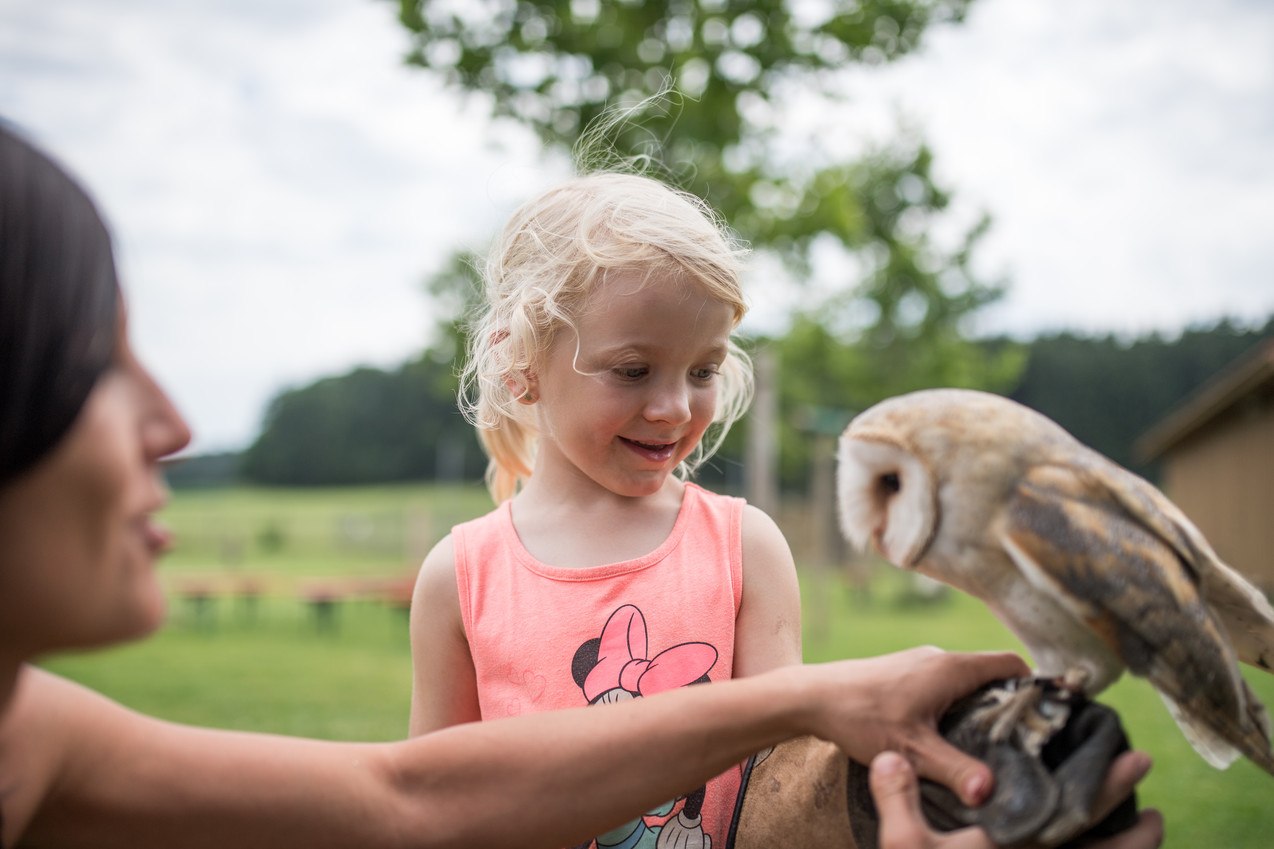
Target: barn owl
{"type": "Point", "coordinates": [1093, 568]}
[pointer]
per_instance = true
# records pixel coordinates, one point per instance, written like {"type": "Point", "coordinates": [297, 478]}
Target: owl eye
{"type": "Point", "coordinates": [889, 483]}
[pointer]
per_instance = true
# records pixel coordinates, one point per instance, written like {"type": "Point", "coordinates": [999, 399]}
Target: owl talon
{"type": "Point", "coordinates": [1009, 716]}
{"type": "Point", "coordinates": [1074, 680]}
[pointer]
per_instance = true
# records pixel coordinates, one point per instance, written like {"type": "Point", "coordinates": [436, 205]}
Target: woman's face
{"type": "Point", "coordinates": [78, 541]}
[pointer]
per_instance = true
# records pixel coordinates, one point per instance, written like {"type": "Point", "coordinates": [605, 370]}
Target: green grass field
{"type": "Point", "coordinates": [274, 665]}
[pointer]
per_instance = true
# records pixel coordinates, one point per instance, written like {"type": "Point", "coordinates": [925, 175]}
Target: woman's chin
{"type": "Point", "coordinates": [137, 624]}
{"type": "Point", "coordinates": [151, 615]}
{"type": "Point", "coordinates": [142, 619]}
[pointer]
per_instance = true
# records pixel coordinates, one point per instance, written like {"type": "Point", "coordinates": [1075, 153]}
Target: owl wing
{"type": "Point", "coordinates": [1071, 531]}
{"type": "Point", "coordinates": [1243, 610]}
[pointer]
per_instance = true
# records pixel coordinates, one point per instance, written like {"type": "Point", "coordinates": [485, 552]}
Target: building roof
{"type": "Point", "coordinates": [1237, 381]}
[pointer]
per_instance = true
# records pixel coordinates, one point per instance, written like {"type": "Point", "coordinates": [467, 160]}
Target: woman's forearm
{"type": "Point", "coordinates": [550, 779]}
{"type": "Point", "coordinates": [542, 780]}
{"type": "Point", "coordinates": [557, 778]}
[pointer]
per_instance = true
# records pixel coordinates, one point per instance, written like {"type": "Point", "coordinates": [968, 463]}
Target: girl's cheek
{"type": "Point", "coordinates": [707, 402]}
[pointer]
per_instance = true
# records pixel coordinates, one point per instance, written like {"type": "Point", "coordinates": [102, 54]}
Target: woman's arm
{"type": "Point", "coordinates": [444, 687]}
{"type": "Point", "coordinates": [767, 631]}
{"type": "Point", "coordinates": [112, 777]}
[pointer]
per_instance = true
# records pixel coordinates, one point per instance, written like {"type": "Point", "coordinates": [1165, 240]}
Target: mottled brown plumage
{"type": "Point", "coordinates": [1092, 567]}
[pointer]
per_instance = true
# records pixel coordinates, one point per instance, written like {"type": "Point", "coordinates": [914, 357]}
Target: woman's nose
{"type": "Point", "coordinates": [166, 431]}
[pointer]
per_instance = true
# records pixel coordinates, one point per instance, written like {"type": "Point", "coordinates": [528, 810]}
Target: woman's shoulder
{"type": "Point", "coordinates": [58, 711]}
{"type": "Point", "coordinates": [50, 728]}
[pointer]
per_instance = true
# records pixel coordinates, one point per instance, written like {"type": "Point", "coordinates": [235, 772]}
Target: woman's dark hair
{"type": "Point", "coordinates": [59, 300]}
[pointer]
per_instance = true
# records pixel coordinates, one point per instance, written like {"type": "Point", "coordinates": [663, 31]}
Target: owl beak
{"type": "Point", "coordinates": [877, 540]}
{"type": "Point", "coordinates": [878, 543]}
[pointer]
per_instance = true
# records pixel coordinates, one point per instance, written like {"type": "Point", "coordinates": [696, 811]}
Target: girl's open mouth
{"type": "Point", "coordinates": [656, 451]}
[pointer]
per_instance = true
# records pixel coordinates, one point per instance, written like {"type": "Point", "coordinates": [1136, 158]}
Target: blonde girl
{"type": "Point", "coordinates": [602, 372]}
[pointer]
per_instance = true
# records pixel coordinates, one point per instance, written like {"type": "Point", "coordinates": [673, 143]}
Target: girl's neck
{"type": "Point", "coordinates": [568, 486]}
{"type": "Point", "coordinates": [607, 529]}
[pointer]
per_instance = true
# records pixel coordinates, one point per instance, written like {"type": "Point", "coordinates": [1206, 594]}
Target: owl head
{"type": "Point", "coordinates": [914, 462]}
{"type": "Point", "coordinates": [886, 495]}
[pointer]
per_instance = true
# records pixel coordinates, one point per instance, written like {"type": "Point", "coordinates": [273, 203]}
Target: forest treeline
{"type": "Point", "coordinates": [373, 425]}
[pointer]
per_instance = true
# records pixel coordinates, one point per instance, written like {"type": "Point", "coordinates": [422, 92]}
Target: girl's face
{"type": "Point", "coordinates": [78, 542]}
{"type": "Point", "coordinates": [624, 402]}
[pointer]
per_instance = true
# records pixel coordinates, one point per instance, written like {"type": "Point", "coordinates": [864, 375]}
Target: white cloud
{"type": "Point", "coordinates": [1121, 148]}
{"type": "Point", "coordinates": [279, 183]}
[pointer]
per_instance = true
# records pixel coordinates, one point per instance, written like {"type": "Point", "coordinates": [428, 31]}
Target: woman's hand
{"type": "Point", "coordinates": [902, 825]}
{"type": "Point", "coordinates": [898, 700]}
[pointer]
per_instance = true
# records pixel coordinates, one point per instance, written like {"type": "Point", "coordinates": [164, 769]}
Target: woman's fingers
{"type": "Point", "coordinates": [934, 757]}
{"type": "Point", "coordinates": [938, 760]}
{"type": "Point", "coordinates": [902, 825]}
{"type": "Point", "coordinates": [1124, 773]}
{"type": "Point", "coordinates": [1147, 833]}
{"type": "Point", "coordinates": [935, 680]}
{"type": "Point", "coordinates": [995, 665]}
{"type": "Point", "coordinates": [894, 789]}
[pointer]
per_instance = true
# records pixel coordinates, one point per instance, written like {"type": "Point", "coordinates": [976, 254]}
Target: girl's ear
{"type": "Point", "coordinates": [527, 390]}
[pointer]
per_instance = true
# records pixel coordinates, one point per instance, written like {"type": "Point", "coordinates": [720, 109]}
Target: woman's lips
{"type": "Point", "coordinates": [158, 538]}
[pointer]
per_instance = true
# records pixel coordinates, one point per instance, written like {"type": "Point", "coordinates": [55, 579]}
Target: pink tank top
{"type": "Point", "coordinates": [545, 637]}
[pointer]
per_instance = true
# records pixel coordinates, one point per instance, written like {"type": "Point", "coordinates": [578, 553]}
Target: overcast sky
{"type": "Point", "coordinates": [280, 184]}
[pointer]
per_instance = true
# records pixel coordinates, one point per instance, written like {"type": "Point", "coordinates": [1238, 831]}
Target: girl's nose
{"type": "Point", "coordinates": [669, 403]}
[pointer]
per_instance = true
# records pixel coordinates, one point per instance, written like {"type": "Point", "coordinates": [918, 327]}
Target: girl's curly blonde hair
{"type": "Point", "coordinates": [554, 252]}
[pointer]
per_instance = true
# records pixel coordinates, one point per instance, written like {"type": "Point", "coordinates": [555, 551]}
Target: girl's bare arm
{"type": "Point", "coordinates": [767, 631]}
{"type": "Point", "coordinates": [444, 686]}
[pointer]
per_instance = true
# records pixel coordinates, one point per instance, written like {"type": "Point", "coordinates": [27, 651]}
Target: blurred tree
{"type": "Point", "coordinates": [726, 71]}
{"type": "Point", "coordinates": [557, 67]}
{"type": "Point", "coordinates": [367, 426]}
{"type": "Point", "coordinates": [456, 288]}
{"type": "Point", "coordinates": [371, 425]}
{"type": "Point", "coordinates": [1109, 391]}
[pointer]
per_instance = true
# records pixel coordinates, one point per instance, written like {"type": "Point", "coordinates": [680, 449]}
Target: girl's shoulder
{"type": "Point", "coordinates": [441, 559]}
{"type": "Point", "coordinates": [749, 516]}
{"type": "Point", "coordinates": [493, 518]}
{"type": "Point", "coordinates": [732, 518]}
{"type": "Point", "coordinates": [761, 534]}
{"type": "Point", "coordinates": [695, 494]}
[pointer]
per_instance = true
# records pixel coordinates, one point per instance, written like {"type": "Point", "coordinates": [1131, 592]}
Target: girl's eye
{"type": "Point", "coordinates": [704, 374]}
{"type": "Point", "coordinates": [630, 372]}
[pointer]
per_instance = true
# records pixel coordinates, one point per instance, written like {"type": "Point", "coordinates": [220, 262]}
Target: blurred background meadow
{"type": "Point", "coordinates": [1068, 203]}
